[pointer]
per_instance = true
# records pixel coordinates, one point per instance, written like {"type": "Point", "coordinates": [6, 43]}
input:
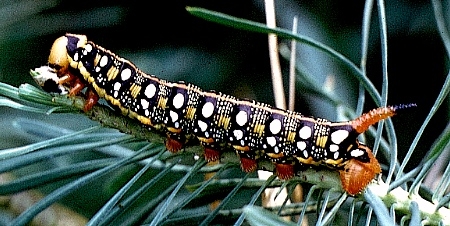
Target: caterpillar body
{"type": "Point", "coordinates": [254, 130]}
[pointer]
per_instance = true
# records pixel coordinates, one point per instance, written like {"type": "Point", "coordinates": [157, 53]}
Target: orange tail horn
{"type": "Point", "coordinates": [363, 122]}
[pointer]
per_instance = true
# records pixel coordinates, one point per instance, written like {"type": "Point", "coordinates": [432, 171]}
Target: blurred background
{"type": "Point", "coordinates": [163, 39]}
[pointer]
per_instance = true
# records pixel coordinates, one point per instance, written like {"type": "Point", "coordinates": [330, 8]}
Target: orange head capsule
{"type": "Point", "coordinates": [60, 61]}
{"type": "Point", "coordinates": [58, 58]}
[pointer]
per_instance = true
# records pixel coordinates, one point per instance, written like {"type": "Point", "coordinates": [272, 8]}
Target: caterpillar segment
{"type": "Point", "coordinates": [254, 130]}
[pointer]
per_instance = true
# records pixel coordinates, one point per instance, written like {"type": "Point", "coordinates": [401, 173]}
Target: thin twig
{"type": "Point", "coordinates": [292, 67]}
{"type": "Point", "coordinates": [277, 80]}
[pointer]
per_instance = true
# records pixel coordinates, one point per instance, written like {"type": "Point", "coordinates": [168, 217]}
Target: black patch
{"type": "Point", "coordinates": [51, 86]}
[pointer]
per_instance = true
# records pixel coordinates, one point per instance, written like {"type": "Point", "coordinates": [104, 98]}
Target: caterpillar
{"type": "Point", "coordinates": [183, 111]}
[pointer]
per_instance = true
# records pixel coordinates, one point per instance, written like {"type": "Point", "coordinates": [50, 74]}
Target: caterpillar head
{"type": "Point", "coordinates": [58, 58]}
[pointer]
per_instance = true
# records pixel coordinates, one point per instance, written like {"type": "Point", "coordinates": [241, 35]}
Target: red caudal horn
{"type": "Point", "coordinates": [363, 122]}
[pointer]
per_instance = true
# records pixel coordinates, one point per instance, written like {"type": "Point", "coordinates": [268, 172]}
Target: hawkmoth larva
{"type": "Point", "coordinates": [254, 130]}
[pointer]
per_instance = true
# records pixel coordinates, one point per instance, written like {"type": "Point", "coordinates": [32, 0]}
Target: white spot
{"type": "Point", "coordinates": [144, 103]}
{"type": "Point", "coordinates": [238, 134]}
{"type": "Point", "coordinates": [338, 136]}
{"type": "Point", "coordinates": [334, 148]}
{"type": "Point", "coordinates": [305, 154]}
{"type": "Point", "coordinates": [103, 61]}
{"type": "Point", "coordinates": [203, 126]}
{"type": "Point", "coordinates": [150, 91]}
{"type": "Point", "coordinates": [147, 112]}
{"type": "Point", "coordinates": [115, 94]}
{"type": "Point", "coordinates": [178, 101]}
{"type": "Point", "coordinates": [173, 116]}
{"type": "Point", "coordinates": [208, 109]}
{"type": "Point", "coordinates": [176, 124]}
{"type": "Point", "coordinates": [271, 141]}
{"type": "Point", "coordinates": [356, 153]}
{"type": "Point", "coordinates": [75, 57]}
{"type": "Point", "coordinates": [275, 126]}
{"type": "Point", "coordinates": [336, 155]}
{"type": "Point", "coordinates": [305, 132]}
{"type": "Point", "coordinates": [301, 145]}
{"type": "Point", "coordinates": [276, 150]}
{"type": "Point", "coordinates": [241, 118]}
{"type": "Point", "coordinates": [97, 69]}
{"type": "Point", "coordinates": [88, 48]}
{"type": "Point", "coordinates": [125, 74]}
{"type": "Point", "coordinates": [117, 86]}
